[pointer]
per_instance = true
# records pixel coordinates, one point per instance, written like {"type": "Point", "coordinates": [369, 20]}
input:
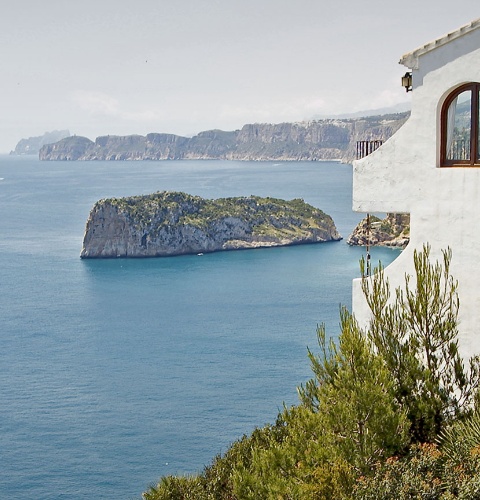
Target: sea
{"type": "Point", "coordinates": [116, 372]}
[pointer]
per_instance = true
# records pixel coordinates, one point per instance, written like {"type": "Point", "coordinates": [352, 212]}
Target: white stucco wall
{"type": "Point", "coordinates": [404, 176]}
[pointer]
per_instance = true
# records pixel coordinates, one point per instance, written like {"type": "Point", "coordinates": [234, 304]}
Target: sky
{"type": "Point", "coordinates": [119, 67]}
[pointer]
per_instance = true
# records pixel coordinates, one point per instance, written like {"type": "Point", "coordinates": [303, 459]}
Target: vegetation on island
{"type": "Point", "coordinates": [265, 214]}
{"type": "Point", "coordinates": [390, 413]}
{"type": "Point", "coordinates": [393, 230]}
{"type": "Point", "coordinates": [175, 223]}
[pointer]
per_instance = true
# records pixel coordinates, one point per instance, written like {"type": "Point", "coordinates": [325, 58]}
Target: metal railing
{"type": "Point", "coordinates": [364, 148]}
{"type": "Point", "coordinates": [459, 150]}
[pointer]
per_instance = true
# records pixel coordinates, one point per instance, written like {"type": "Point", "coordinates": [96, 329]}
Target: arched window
{"type": "Point", "coordinates": [460, 127]}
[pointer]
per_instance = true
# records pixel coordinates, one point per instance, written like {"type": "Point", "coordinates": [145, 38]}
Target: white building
{"type": "Point", "coordinates": [431, 169]}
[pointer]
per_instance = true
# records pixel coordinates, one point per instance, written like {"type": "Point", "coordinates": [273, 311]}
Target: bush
{"type": "Point", "coordinates": [370, 417]}
{"type": "Point", "coordinates": [417, 336]}
{"type": "Point", "coordinates": [425, 473]}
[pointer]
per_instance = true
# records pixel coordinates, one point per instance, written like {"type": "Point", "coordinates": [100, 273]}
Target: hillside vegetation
{"type": "Point", "coordinates": [174, 223]}
{"type": "Point", "coordinates": [393, 231]}
{"type": "Point", "coordinates": [390, 413]}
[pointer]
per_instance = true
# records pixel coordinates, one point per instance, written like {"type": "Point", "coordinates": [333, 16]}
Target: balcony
{"type": "Point", "coordinates": [364, 148]}
{"type": "Point", "coordinates": [459, 150]}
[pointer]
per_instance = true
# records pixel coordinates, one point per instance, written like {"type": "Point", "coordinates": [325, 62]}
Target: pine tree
{"type": "Point", "coordinates": [354, 392]}
{"type": "Point", "coordinates": [374, 392]}
{"type": "Point", "coordinates": [417, 336]}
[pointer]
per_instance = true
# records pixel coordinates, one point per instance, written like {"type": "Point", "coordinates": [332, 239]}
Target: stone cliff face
{"type": "Point", "coordinates": [169, 223]}
{"type": "Point", "coordinates": [393, 231]}
{"type": "Point", "coordinates": [32, 145]}
{"type": "Point", "coordinates": [313, 140]}
{"type": "Point", "coordinates": [70, 148]}
{"type": "Point", "coordinates": [316, 140]}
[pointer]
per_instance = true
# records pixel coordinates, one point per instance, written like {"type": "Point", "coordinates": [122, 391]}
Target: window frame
{"type": "Point", "coordinates": [474, 160]}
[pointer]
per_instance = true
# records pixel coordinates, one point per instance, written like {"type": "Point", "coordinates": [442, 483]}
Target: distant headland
{"type": "Point", "coordinates": [32, 145]}
{"type": "Point", "coordinates": [328, 139]}
{"type": "Point", "coordinates": [175, 223]}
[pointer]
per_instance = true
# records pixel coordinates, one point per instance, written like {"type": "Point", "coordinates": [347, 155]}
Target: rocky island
{"type": "Point", "coordinates": [175, 223]}
{"type": "Point", "coordinates": [392, 231]}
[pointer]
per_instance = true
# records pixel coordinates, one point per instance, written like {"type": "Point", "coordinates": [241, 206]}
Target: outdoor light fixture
{"type": "Point", "coordinates": [407, 81]}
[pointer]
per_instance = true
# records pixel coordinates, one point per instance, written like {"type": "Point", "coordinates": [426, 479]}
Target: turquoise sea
{"type": "Point", "coordinates": [115, 372]}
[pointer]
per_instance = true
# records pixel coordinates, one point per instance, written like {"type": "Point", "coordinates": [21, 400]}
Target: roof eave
{"type": "Point", "coordinates": [410, 60]}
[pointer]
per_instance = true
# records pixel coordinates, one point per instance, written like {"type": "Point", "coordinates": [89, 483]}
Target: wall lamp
{"type": "Point", "coordinates": [407, 81]}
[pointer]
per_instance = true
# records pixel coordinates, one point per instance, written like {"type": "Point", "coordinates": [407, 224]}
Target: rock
{"type": "Point", "coordinates": [393, 231]}
{"type": "Point", "coordinates": [32, 145]}
{"type": "Point", "coordinates": [70, 148]}
{"type": "Point", "coordinates": [173, 223]}
{"type": "Point", "coordinates": [333, 139]}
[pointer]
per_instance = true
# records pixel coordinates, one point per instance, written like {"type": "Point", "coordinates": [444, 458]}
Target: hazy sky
{"type": "Point", "coordinates": [99, 67]}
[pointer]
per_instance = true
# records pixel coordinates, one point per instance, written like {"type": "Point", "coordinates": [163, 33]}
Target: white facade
{"type": "Point", "coordinates": [404, 175]}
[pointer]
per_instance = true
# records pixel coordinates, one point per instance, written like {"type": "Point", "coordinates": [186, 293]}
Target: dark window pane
{"type": "Point", "coordinates": [459, 126]}
{"type": "Point", "coordinates": [478, 126]}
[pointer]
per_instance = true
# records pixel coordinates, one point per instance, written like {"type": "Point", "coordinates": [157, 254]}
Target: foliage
{"type": "Point", "coordinates": [414, 476]}
{"type": "Point", "coordinates": [263, 215]}
{"type": "Point", "coordinates": [216, 482]}
{"type": "Point", "coordinates": [386, 227]}
{"type": "Point", "coordinates": [354, 393]}
{"type": "Point", "coordinates": [176, 488]}
{"type": "Point", "coordinates": [461, 436]}
{"type": "Point", "coordinates": [370, 417]}
{"type": "Point", "coordinates": [425, 473]}
{"type": "Point", "coordinates": [416, 335]}
{"type": "Point", "coordinates": [301, 465]}
{"type": "Point", "coordinates": [349, 419]}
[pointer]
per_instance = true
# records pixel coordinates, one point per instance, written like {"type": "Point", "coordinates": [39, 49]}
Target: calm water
{"type": "Point", "coordinates": [116, 372]}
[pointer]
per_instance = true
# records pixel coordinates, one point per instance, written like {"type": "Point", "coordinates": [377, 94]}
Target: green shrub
{"type": "Point", "coordinates": [370, 417]}
{"type": "Point", "coordinates": [425, 473]}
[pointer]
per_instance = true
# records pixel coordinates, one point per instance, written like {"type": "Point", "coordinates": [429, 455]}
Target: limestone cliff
{"type": "Point", "coordinates": [70, 148]}
{"type": "Point", "coordinates": [393, 231]}
{"type": "Point", "coordinates": [32, 145]}
{"type": "Point", "coordinates": [333, 139]}
{"type": "Point", "coordinates": [173, 223]}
